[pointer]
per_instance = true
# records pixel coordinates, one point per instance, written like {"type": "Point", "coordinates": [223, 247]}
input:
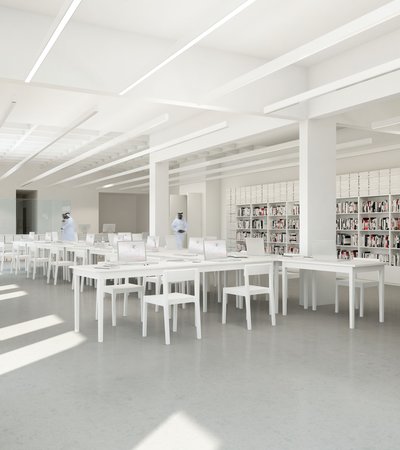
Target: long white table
{"type": "Point", "coordinates": [351, 268]}
{"type": "Point", "coordinates": [101, 274]}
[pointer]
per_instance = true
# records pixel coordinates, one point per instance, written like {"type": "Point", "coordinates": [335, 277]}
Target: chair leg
{"type": "Point", "coordinates": [55, 274]}
{"type": "Point", "coordinates": [82, 283]}
{"type": "Point", "coordinates": [141, 293]}
{"type": "Point", "coordinates": [114, 309]}
{"type": "Point", "coordinates": [337, 299]}
{"type": "Point", "coordinates": [248, 312]}
{"type": "Point", "coordinates": [166, 324]}
{"type": "Point", "coordinates": [175, 319]}
{"type": "Point", "coordinates": [158, 282]}
{"type": "Point", "coordinates": [125, 311]}
{"type": "Point", "coordinates": [144, 322]}
{"type": "Point", "coordinates": [48, 273]}
{"type": "Point", "coordinates": [224, 302]}
{"type": "Point", "coordinates": [197, 318]}
{"type": "Point", "coordinates": [272, 308]}
{"type": "Point", "coordinates": [362, 301]}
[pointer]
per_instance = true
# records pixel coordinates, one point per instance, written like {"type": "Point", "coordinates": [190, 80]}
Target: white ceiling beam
{"type": "Point", "coordinates": [120, 183]}
{"type": "Point", "coordinates": [138, 131]}
{"type": "Point", "coordinates": [116, 175]}
{"type": "Point", "coordinates": [188, 45]}
{"type": "Point", "coordinates": [336, 85]}
{"type": "Point", "coordinates": [385, 123]}
{"type": "Point", "coordinates": [180, 140]}
{"type": "Point", "coordinates": [57, 28]}
{"type": "Point", "coordinates": [328, 40]}
{"type": "Point", "coordinates": [74, 125]}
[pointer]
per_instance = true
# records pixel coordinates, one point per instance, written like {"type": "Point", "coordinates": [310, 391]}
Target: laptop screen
{"type": "Point", "coordinates": [255, 246]}
{"type": "Point", "coordinates": [131, 251]}
{"type": "Point", "coordinates": [196, 245]}
{"type": "Point", "coordinates": [215, 249]}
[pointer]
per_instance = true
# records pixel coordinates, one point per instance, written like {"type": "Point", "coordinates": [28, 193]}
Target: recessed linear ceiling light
{"type": "Point", "coordinates": [61, 21]}
{"type": "Point", "coordinates": [7, 113]}
{"type": "Point", "coordinates": [180, 140]}
{"type": "Point", "coordinates": [108, 185]}
{"type": "Point", "coordinates": [74, 125]}
{"type": "Point", "coordinates": [116, 175]}
{"type": "Point", "coordinates": [190, 44]}
{"type": "Point", "coordinates": [336, 85]}
{"type": "Point", "coordinates": [141, 129]}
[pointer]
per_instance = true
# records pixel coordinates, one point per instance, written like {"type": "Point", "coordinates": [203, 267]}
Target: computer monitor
{"type": "Point", "coordinates": [196, 245]}
{"type": "Point", "coordinates": [131, 251]}
{"type": "Point", "coordinates": [215, 249]}
{"type": "Point", "coordinates": [255, 246]}
{"type": "Point", "coordinates": [108, 227]}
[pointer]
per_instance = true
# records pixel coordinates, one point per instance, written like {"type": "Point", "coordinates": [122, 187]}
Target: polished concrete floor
{"type": "Point", "coordinates": [309, 383]}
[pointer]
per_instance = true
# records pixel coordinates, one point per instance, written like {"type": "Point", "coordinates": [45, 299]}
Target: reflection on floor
{"type": "Point", "coordinates": [308, 383]}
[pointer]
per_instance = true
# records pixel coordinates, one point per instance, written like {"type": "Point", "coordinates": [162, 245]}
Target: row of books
{"type": "Point", "coordinates": [375, 240]}
{"type": "Point", "coordinates": [243, 211]}
{"type": "Point", "coordinates": [277, 237]}
{"type": "Point", "coordinates": [278, 224]}
{"type": "Point", "coordinates": [396, 241]}
{"type": "Point", "coordinates": [293, 250]}
{"type": "Point", "coordinates": [395, 260]}
{"type": "Point", "coordinates": [259, 211]}
{"type": "Point", "coordinates": [346, 207]}
{"type": "Point", "coordinates": [382, 257]}
{"type": "Point", "coordinates": [347, 239]}
{"type": "Point", "coordinates": [347, 254]}
{"type": "Point", "coordinates": [258, 224]}
{"type": "Point", "coordinates": [371, 206]}
{"type": "Point", "coordinates": [375, 223]}
{"type": "Point", "coordinates": [349, 223]}
{"type": "Point", "coordinates": [277, 210]}
{"type": "Point", "coordinates": [293, 224]}
{"type": "Point", "coordinates": [396, 205]}
{"type": "Point", "coordinates": [276, 249]}
{"type": "Point", "coordinates": [295, 210]}
{"type": "Point", "coordinates": [293, 238]}
{"type": "Point", "coordinates": [242, 235]}
{"type": "Point", "coordinates": [243, 224]}
{"type": "Point", "coordinates": [395, 223]}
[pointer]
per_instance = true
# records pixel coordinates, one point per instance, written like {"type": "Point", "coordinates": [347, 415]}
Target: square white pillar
{"type": "Point", "coordinates": [159, 199]}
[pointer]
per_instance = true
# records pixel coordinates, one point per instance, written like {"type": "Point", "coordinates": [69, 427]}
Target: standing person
{"type": "Point", "coordinates": [68, 227]}
{"type": "Point", "coordinates": [179, 225]}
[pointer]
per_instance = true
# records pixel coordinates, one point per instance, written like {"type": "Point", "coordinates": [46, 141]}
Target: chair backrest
{"type": "Point", "coordinates": [113, 239]}
{"type": "Point", "coordinates": [215, 249]}
{"type": "Point", "coordinates": [54, 235]}
{"type": "Point", "coordinates": [153, 242]}
{"type": "Point", "coordinates": [31, 235]}
{"type": "Point", "coordinates": [178, 276]}
{"type": "Point", "coordinates": [8, 238]}
{"type": "Point", "coordinates": [124, 236]}
{"type": "Point", "coordinates": [255, 246]}
{"type": "Point", "coordinates": [259, 269]}
{"type": "Point", "coordinates": [170, 242]}
{"type": "Point", "coordinates": [47, 236]}
{"type": "Point", "coordinates": [90, 238]}
{"type": "Point", "coordinates": [196, 245]}
{"type": "Point", "coordinates": [137, 237]}
{"type": "Point", "coordinates": [131, 251]}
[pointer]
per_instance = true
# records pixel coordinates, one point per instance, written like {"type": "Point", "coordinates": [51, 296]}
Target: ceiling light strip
{"type": "Point", "coordinates": [74, 125]}
{"type": "Point", "coordinates": [141, 129]}
{"type": "Point", "coordinates": [61, 24]}
{"type": "Point", "coordinates": [145, 177]}
{"type": "Point", "coordinates": [117, 175]}
{"type": "Point", "coordinates": [173, 142]}
{"type": "Point", "coordinates": [328, 40]}
{"type": "Point", "coordinates": [190, 44]}
{"type": "Point", "coordinates": [336, 85]}
{"type": "Point", "coordinates": [23, 138]}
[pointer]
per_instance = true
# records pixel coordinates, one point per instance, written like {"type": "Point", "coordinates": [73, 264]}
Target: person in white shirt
{"type": "Point", "coordinates": [179, 225]}
{"type": "Point", "coordinates": [68, 227]}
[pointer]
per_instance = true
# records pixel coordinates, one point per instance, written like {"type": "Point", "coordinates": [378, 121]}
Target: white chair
{"type": "Point", "coordinates": [80, 257]}
{"type": "Point", "coordinates": [6, 254]}
{"type": "Point", "coordinates": [20, 255]}
{"type": "Point", "coordinates": [55, 261]}
{"type": "Point", "coordinates": [360, 284]}
{"type": "Point", "coordinates": [126, 289]}
{"type": "Point", "coordinates": [248, 290]}
{"type": "Point", "coordinates": [167, 299]}
{"type": "Point", "coordinates": [54, 236]}
{"type": "Point", "coordinates": [170, 242]}
{"type": "Point", "coordinates": [137, 237]}
{"type": "Point", "coordinates": [35, 259]}
{"type": "Point", "coordinates": [153, 242]}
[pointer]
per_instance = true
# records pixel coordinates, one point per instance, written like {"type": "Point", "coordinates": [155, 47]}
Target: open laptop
{"type": "Point", "coordinates": [255, 246]}
{"type": "Point", "coordinates": [131, 252]}
{"type": "Point", "coordinates": [196, 246]}
{"type": "Point", "coordinates": [215, 249]}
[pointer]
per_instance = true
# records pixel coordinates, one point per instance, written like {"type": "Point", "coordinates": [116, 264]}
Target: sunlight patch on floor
{"type": "Point", "coordinates": [11, 295]}
{"type": "Point", "coordinates": [179, 432]}
{"type": "Point", "coordinates": [8, 287]}
{"type": "Point", "coordinates": [38, 351]}
{"type": "Point", "coordinates": [29, 326]}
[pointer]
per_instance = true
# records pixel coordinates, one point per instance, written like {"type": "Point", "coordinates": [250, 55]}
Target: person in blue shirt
{"type": "Point", "coordinates": [68, 227]}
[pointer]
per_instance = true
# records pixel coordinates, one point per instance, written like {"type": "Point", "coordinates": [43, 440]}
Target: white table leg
{"type": "Point", "coordinates": [76, 302]}
{"type": "Point", "coordinates": [305, 289]}
{"type": "Point", "coordinates": [276, 287]}
{"type": "Point", "coordinates": [352, 293]}
{"type": "Point", "coordinates": [284, 291]}
{"type": "Point", "coordinates": [313, 291]}
{"type": "Point", "coordinates": [100, 309]}
{"type": "Point", "coordinates": [218, 274]}
{"type": "Point", "coordinates": [204, 292]}
{"type": "Point", "coordinates": [382, 294]}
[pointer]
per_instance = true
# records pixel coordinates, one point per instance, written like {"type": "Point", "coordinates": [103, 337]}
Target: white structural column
{"type": "Point", "coordinates": [318, 195]}
{"type": "Point", "coordinates": [159, 199]}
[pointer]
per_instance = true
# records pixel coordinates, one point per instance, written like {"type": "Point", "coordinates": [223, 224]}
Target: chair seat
{"type": "Point", "coordinates": [358, 283]}
{"type": "Point", "coordinates": [243, 291]}
{"type": "Point", "coordinates": [122, 288]}
{"type": "Point", "coordinates": [174, 298]}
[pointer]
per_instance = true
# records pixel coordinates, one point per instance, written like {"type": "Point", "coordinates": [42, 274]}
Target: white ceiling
{"type": "Point", "coordinates": [108, 45]}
